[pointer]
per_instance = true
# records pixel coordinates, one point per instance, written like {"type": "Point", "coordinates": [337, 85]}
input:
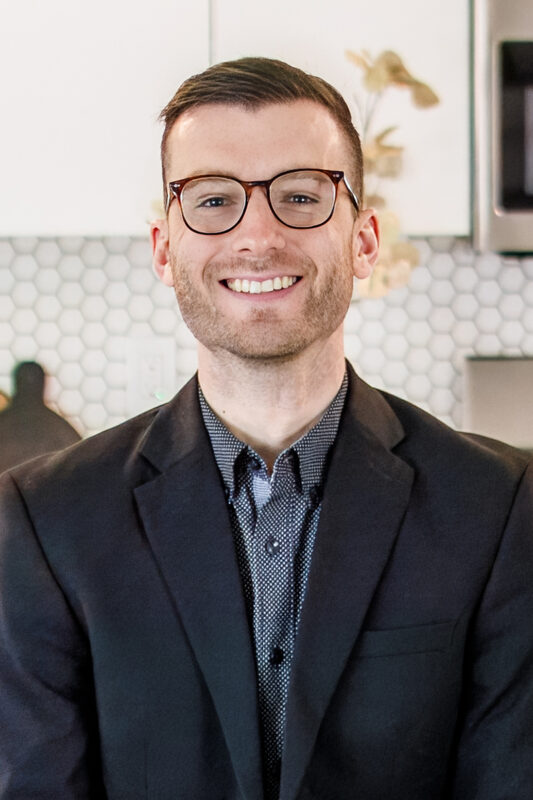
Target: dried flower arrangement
{"type": "Point", "coordinates": [384, 160]}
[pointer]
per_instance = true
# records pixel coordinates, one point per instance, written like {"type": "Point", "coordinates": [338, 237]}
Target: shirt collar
{"type": "Point", "coordinates": [311, 449]}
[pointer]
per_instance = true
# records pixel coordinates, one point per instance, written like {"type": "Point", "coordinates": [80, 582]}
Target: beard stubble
{"type": "Point", "coordinates": [264, 334]}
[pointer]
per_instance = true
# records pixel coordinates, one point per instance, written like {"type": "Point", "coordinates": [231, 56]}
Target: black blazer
{"type": "Point", "coordinates": [127, 667]}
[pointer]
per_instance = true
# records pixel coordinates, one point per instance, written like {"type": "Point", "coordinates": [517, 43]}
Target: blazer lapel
{"type": "Point", "coordinates": [185, 516]}
{"type": "Point", "coordinates": [366, 495]}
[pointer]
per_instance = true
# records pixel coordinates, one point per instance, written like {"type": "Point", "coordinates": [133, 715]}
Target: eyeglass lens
{"type": "Point", "coordinates": [300, 199]}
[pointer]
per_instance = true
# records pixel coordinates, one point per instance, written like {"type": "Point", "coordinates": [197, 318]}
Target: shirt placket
{"type": "Point", "coordinates": [273, 612]}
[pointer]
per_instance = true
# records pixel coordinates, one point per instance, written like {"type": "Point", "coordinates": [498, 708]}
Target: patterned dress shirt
{"type": "Point", "coordinates": [274, 519]}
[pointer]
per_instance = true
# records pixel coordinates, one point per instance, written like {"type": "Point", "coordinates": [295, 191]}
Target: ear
{"type": "Point", "coordinates": [160, 251]}
{"type": "Point", "coordinates": [365, 243]}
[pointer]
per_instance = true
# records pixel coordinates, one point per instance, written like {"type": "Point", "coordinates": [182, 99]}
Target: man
{"type": "Point", "coordinates": [283, 584]}
{"type": "Point", "coordinates": [28, 427]}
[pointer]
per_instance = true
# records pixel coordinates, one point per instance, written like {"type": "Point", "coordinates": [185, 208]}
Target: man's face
{"type": "Point", "coordinates": [315, 267]}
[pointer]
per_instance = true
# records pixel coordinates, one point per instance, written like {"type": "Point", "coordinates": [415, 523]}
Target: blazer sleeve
{"type": "Point", "coordinates": [48, 741]}
{"type": "Point", "coordinates": [495, 748]}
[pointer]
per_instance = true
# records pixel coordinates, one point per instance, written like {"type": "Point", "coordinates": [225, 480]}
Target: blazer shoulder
{"type": "Point", "coordinates": [105, 449]}
{"type": "Point", "coordinates": [101, 468]}
{"type": "Point", "coordinates": [428, 441]}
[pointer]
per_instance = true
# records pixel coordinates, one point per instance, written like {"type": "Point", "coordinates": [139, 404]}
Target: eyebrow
{"type": "Point", "coordinates": [217, 173]}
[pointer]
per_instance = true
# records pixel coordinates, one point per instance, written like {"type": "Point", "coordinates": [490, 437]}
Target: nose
{"type": "Point", "coordinates": [258, 232]}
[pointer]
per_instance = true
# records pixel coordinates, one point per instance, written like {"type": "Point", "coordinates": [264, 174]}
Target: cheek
{"type": "Point", "coordinates": [335, 248]}
{"type": "Point", "coordinates": [189, 248]}
{"type": "Point", "coordinates": [184, 256]}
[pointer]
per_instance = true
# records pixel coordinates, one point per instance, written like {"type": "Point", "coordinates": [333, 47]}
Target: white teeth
{"type": "Point", "coordinates": [260, 287]}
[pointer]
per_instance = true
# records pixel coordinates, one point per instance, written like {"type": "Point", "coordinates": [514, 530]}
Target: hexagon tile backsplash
{"type": "Point", "coordinates": [78, 306]}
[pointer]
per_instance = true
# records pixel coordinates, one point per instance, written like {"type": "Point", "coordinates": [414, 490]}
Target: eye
{"type": "Point", "coordinates": [213, 202]}
{"type": "Point", "coordinates": [299, 199]}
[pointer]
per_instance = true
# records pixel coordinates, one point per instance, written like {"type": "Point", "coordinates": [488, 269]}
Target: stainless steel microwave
{"type": "Point", "coordinates": [503, 125]}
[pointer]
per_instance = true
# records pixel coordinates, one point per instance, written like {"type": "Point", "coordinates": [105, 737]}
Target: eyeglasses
{"type": "Point", "coordinates": [299, 198]}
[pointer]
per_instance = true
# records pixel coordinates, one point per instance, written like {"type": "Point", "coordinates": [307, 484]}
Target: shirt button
{"type": "Point", "coordinates": [272, 546]}
{"type": "Point", "coordinates": [255, 464]}
{"type": "Point", "coordinates": [276, 656]}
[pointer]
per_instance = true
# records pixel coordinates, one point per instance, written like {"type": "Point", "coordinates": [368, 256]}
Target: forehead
{"type": "Point", "coordinates": [254, 144]}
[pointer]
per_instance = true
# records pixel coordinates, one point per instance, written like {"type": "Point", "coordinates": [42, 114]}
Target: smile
{"type": "Point", "coordinates": [260, 287]}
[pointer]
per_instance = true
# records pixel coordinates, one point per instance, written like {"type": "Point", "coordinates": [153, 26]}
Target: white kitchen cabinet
{"type": "Point", "coordinates": [432, 196]}
{"type": "Point", "coordinates": [82, 85]}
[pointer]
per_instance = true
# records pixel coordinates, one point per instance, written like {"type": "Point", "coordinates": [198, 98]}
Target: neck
{"type": "Point", "coordinates": [270, 404]}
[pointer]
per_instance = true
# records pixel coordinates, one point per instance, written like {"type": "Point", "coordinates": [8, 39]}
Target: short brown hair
{"type": "Point", "coordinates": [255, 82]}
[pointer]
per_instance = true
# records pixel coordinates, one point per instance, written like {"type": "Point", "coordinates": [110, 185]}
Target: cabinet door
{"type": "Point", "coordinates": [83, 83]}
{"type": "Point", "coordinates": [432, 195]}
